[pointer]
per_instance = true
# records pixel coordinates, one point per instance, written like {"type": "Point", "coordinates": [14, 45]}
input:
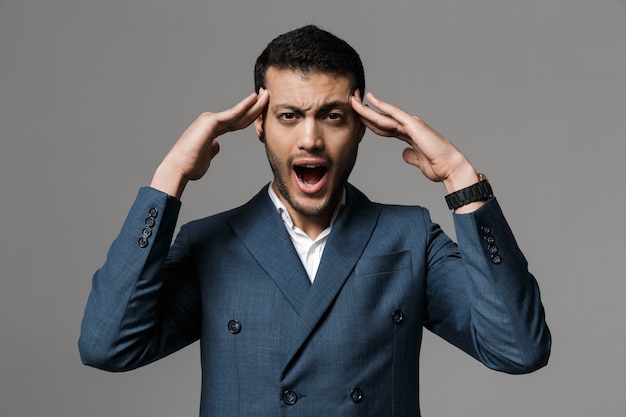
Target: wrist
{"type": "Point", "coordinates": [169, 180]}
{"type": "Point", "coordinates": [461, 178]}
{"type": "Point", "coordinates": [471, 197]}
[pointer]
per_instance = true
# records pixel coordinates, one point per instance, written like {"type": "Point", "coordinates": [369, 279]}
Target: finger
{"type": "Point", "coordinates": [373, 119]}
{"type": "Point", "coordinates": [238, 109]}
{"type": "Point", "coordinates": [386, 115]}
{"type": "Point", "coordinates": [245, 112]}
{"type": "Point", "coordinates": [357, 103]}
{"type": "Point", "coordinates": [362, 109]}
{"type": "Point", "coordinates": [377, 128]}
{"type": "Point", "coordinates": [390, 110]}
{"type": "Point", "coordinates": [259, 105]}
{"type": "Point", "coordinates": [412, 126]}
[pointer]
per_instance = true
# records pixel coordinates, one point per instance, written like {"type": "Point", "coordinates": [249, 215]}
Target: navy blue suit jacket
{"type": "Point", "coordinates": [273, 344]}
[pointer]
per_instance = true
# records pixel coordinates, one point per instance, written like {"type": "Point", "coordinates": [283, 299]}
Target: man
{"type": "Point", "coordinates": [310, 300]}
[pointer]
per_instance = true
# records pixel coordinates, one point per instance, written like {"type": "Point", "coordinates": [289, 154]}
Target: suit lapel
{"type": "Point", "coordinates": [270, 245]}
{"type": "Point", "coordinates": [348, 238]}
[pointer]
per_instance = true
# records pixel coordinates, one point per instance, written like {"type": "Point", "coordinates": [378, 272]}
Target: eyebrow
{"type": "Point", "coordinates": [324, 108]}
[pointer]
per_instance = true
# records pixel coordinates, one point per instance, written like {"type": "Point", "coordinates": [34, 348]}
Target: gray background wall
{"type": "Point", "coordinates": [94, 93]}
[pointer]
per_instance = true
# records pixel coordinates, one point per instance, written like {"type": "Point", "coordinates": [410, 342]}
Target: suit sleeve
{"type": "Point", "coordinates": [144, 302]}
{"type": "Point", "coordinates": [481, 296]}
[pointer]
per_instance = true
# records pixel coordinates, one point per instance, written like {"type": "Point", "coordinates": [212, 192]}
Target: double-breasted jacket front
{"type": "Point", "coordinates": [272, 343]}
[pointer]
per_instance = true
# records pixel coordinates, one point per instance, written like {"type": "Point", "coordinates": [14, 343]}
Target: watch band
{"type": "Point", "coordinates": [480, 191]}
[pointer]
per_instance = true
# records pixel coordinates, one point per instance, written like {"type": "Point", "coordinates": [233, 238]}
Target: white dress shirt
{"type": "Point", "coordinates": [309, 250]}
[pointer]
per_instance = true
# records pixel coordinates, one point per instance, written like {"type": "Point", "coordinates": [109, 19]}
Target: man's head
{"type": "Point", "coordinates": [310, 131]}
{"type": "Point", "coordinates": [311, 50]}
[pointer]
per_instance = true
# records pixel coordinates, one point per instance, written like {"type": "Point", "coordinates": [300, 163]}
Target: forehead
{"type": "Point", "coordinates": [297, 88]}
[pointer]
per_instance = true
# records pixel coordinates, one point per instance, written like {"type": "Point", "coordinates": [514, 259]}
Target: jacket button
{"type": "Point", "coordinates": [486, 230]}
{"type": "Point", "coordinates": [234, 326]}
{"type": "Point", "coordinates": [356, 395]}
{"type": "Point", "coordinates": [150, 222]}
{"type": "Point", "coordinates": [153, 212]}
{"type": "Point", "coordinates": [143, 242]}
{"type": "Point", "coordinates": [496, 259]}
{"type": "Point", "coordinates": [493, 249]}
{"type": "Point", "coordinates": [146, 232]}
{"type": "Point", "coordinates": [398, 316]}
{"type": "Point", "coordinates": [490, 240]}
{"type": "Point", "coordinates": [290, 397]}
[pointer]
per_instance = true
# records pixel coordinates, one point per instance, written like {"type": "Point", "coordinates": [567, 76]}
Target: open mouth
{"type": "Point", "coordinates": [310, 174]}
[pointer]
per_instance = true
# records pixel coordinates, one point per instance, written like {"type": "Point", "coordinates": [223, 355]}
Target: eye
{"type": "Point", "coordinates": [287, 117]}
{"type": "Point", "coordinates": [335, 117]}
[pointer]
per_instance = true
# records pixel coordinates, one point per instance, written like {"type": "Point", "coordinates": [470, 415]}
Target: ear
{"type": "Point", "coordinates": [258, 126]}
{"type": "Point", "coordinates": [362, 129]}
{"type": "Point", "coordinates": [361, 126]}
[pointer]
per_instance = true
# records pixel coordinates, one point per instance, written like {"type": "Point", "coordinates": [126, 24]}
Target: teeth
{"type": "Point", "coordinates": [310, 173]}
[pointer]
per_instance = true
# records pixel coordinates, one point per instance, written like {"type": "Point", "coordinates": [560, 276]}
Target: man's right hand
{"type": "Point", "coordinates": [191, 156]}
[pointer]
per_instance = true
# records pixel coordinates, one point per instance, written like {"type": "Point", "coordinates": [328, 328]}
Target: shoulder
{"type": "Point", "coordinates": [258, 206]}
{"type": "Point", "coordinates": [396, 219]}
{"type": "Point", "coordinates": [387, 211]}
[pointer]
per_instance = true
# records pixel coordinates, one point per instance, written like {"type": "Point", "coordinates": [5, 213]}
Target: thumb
{"type": "Point", "coordinates": [411, 157]}
{"type": "Point", "coordinates": [215, 148]}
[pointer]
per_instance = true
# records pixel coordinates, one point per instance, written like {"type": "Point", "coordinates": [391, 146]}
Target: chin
{"type": "Point", "coordinates": [309, 208]}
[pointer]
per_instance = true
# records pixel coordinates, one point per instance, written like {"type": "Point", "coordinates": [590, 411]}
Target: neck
{"type": "Point", "coordinates": [311, 224]}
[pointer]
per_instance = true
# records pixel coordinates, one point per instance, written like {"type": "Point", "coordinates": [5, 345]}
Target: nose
{"type": "Point", "coordinates": [311, 137]}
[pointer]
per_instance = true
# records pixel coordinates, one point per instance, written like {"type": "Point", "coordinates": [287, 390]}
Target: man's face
{"type": "Point", "coordinates": [311, 137]}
